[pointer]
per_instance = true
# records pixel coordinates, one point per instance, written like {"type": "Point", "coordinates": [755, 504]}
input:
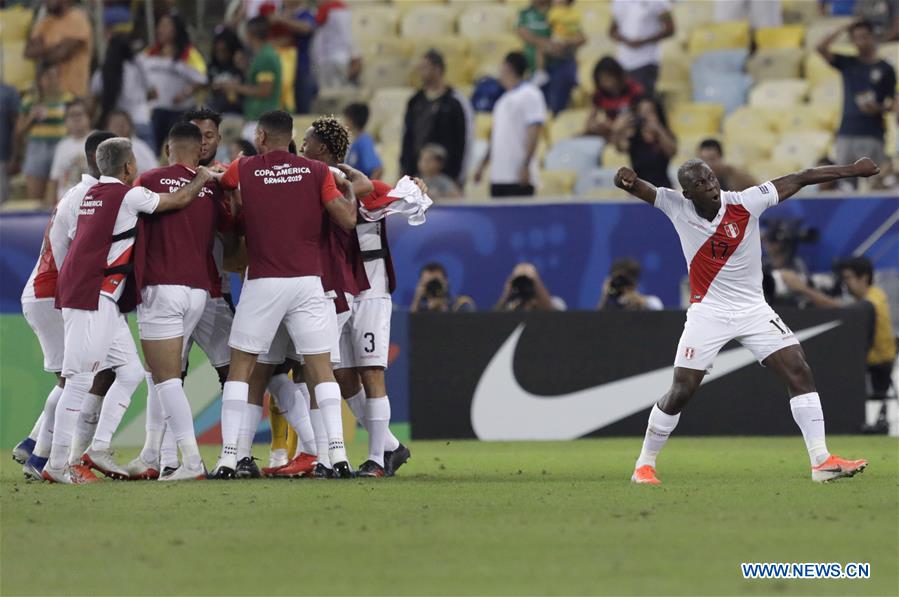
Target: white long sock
{"type": "Point", "coordinates": [36, 430]}
{"type": "Point", "coordinates": [45, 435]}
{"type": "Point", "coordinates": [328, 397]}
{"type": "Point", "coordinates": [321, 436]}
{"type": "Point", "coordinates": [293, 399]}
{"type": "Point", "coordinates": [357, 406]}
{"type": "Point", "coordinates": [377, 413]}
{"type": "Point", "coordinates": [809, 416]}
{"type": "Point", "coordinates": [657, 432]}
{"type": "Point", "coordinates": [155, 424]}
{"type": "Point", "coordinates": [252, 415]}
{"type": "Point", "coordinates": [179, 418]}
{"type": "Point", "coordinates": [168, 450]}
{"type": "Point", "coordinates": [86, 427]}
{"type": "Point", "coordinates": [117, 401]}
{"type": "Point", "coordinates": [234, 397]}
{"type": "Point", "coordinates": [67, 410]}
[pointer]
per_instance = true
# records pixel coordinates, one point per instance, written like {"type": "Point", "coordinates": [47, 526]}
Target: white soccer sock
{"type": "Point", "coordinates": [179, 418]}
{"type": "Point", "coordinates": [252, 415]}
{"type": "Point", "coordinates": [377, 413]}
{"type": "Point", "coordinates": [657, 431]}
{"type": "Point", "coordinates": [321, 436]}
{"type": "Point", "coordinates": [356, 402]}
{"type": "Point", "coordinates": [809, 416]}
{"type": "Point", "coordinates": [67, 410]}
{"type": "Point", "coordinates": [155, 424]}
{"type": "Point", "coordinates": [85, 428]}
{"type": "Point", "coordinates": [117, 401]}
{"type": "Point", "coordinates": [293, 400]}
{"type": "Point", "coordinates": [234, 397]}
{"type": "Point", "coordinates": [168, 450]}
{"type": "Point", "coordinates": [45, 435]}
{"type": "Point", "coordinates": [36, 430]}
{"type": "Point", "coordinates": [328, 397]}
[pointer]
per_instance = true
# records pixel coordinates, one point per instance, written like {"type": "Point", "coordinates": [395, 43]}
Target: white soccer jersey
{"type": "Point", "coordinates": [724, 256]}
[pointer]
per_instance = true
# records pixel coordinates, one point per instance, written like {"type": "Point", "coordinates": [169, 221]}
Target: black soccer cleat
{"type": "Point", "coordinates": [394, 460]}
{"type": "Point", "coordinates": [321, 472]}
{"type": "Point", "coordinates": [247, 469]}
{"type": "Point", "coordinates": [342, 470]}
{"type": "Point", "coordinates": [222, 473]}
{"type": "Point", "coordinates": [169, 470]}
{"type": "Point", "coordinates": [371, 469]}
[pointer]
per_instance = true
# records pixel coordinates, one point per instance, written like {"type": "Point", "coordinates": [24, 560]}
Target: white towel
{"type": "Point", "coordinates": [408, 201]}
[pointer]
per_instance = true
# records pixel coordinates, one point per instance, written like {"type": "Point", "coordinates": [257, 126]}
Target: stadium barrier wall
{"type": "Point", "coordinates": [564, 375]}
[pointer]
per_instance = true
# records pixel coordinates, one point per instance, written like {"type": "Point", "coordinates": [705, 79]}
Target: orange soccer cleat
{"type": "Point", "coordinates": [645, 475]}
{"type": "Point", "coordinates": [301, 466]}
{"type": "Point", "coordinates": [835, 467]}
{"type": "Point", "coordinates": [81, 474]}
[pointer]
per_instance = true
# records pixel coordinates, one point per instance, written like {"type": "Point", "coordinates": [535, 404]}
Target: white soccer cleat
{"type": "Point", "coordinates": [186, 473]}
{"type": "Point", "coordinates": [139, 470]}
{"type": "Point", "coordinates": [278, 458]}
{"type": "Point", "coordinates": [104, 461]}
{"type": "Point", "coordinates": [835, 468]}
{"type": "Point", "coordinates": [56, 475]}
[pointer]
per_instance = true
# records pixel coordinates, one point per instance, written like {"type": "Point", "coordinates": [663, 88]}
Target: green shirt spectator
{"type": "Point", "coordinates": [533, 23]}
{"type": "Point", "coordinates": [265, 68]}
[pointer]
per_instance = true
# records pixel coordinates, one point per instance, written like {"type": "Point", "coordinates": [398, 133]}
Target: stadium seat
{"type": "Point", "coordinates": [390, 158]}
{"type": "Point", "coordinates": [428, 21]}
{"type": "Point", "coordinates": [696, 119]}
{"type": "Point", "coordinates": [742, 151]}
{"type": "Point", "coordinates": [406, 6]}
{"type": "Point", "coordinates": [399, 47]}
{"type": "Point", "coordinates": [593, 180]}
{"type": "Point", "coordinates": [578, 153]}
{"type": "Point", "coordinates": [747, 120]}
{"type": "Point", "coordinates": [17, 71]}
{"type": "Point", "coordinates": [728, 90]}
{"type": "Point", "coordinates": [15, 22]}
{"type": "Point", "coordinates": [788, 36]}
{"type": "Point", "coordinates": [802, 118]}
{"type": "Point", "coordinates": [482, 18]}
{"type": "Point", "coordinates": [390, 130]}
{"type": "Point", "coordinates": [386, 101]}
{"type": "Point", "coordinates": [770, 169]}
{"type": "Point", "coordinates": [800, 12]}
{"type": "Point", "coordinates": [775, 63]}
{"type": "Point", "coordinates": [614, 159]}
{"type": "Point", "coordinates": [778, 93]}
{"type": "Point", "coordinates": [596, 18]}
{"type": "Point", "coordinates": [554, 183]}
{"type": "Point", "coordinates": [719, 36]}
{"type": "Point", "coordinates": [567, 124]}
{"type": "Point", "coordinates": [494, 46]}
{"type": "Point", "coordinates": [728, 61]}
{"type": "Point", "coordinates": [828, 93]}
{"type": "Point", "coordinates": [483, 124]}
{"type": "Point", "coordinates": [374, 20]}
{"type": "Point", "coordinates": [387, 71]}
{"type": "Point", "coordinates": [675, 62]}
{"type": "Point", "coordinates": [688, 16]}
{"type": "Point", "coordinates": [817, 70]}
{"type": "Point", "coordinates": [803, 149]}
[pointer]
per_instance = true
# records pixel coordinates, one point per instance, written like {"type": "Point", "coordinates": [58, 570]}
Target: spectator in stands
{"type": "Point", "coordinates": [436, 114]}
{"type": "Point", "coordinates": [638, 27]}
{"type": "Point", "coordinates": [759, 13]}
{"type": "Point", "coordinates": [535, 32]}
{"type": "Point", "coordinates": [223, 68]}
{"type": "Point", "coordinates": [615, 92]}
{"type": "Point", "coordinates": [9, 113]}
{"type": "Point", "coordinates": [857, 276]}
{"type": "Point", "coordinates": [64, 38]}
{"type": "Point", "coordinates": [433, 294]}
{"type": "Point", "coordinates": [335, 57]}
{"type": "Point", "coordinates": [525, 291]}
{"type": "Point", "coordinates": [119, 123]}
{"type": "Point", "coordinates": [68, 157]}
{"type": "Point", "coordinates": [869, 84]}
{"type": "Point", "coordinates": [643, 133]}
{"type": "Point", "coordinates": [176, 71]}
{"type": "Point", "coordinates": [883, 16]}
{"type": "Point", "coordinates": [518, 119]}
{"type": "Point", "coordinates": [42, 119]}
{"type": "Point", "coordinates": [121, 83]}
{"type": "Point", "coordinates": [620, 290]}
{"type": "Point", "coordinates": [361, 155]}
{"type": "Point", "coordinates": [431, 162]}
{"type": "Point", "coordinates": [262, 91]}
{"type": "Point", "coordinates": [299, 19]}
{"type": "Point", "coordinates": [729, 177]}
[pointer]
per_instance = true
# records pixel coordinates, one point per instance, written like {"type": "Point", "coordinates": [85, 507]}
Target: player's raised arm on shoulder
{"type": "Point", "coordinates": [362, 185]}
{"type": "Point", "coordinates": [340, 201]}
{"type": "Point", "coordinates": [627, 179]}
{"type": "Point", "coordinates": [789, 185]}
{"type": "Point", "coordinates": [183, 196]}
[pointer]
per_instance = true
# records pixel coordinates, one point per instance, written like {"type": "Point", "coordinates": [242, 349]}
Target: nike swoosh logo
{"type": "Point", "coordinates": [502, 410]}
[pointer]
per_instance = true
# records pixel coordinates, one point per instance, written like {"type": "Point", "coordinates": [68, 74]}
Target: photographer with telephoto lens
{"type": "Point", "coordinates": [620, 289]}
{"type": "Point", "coordinates": [525, 291]}
{"type": "Point", "coordinates": [433, 293]}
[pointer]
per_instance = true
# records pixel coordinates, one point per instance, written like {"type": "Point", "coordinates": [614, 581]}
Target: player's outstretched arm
{"type": "Point", "coordinates": [789, 185]}
{"type": "Point", "coordinates": [627, 179]}
{"type": "Point", "coordinates": [183, 196]}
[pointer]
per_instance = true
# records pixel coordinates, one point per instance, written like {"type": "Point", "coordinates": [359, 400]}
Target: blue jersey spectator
{"type": "Point", "coordinates": [361, 155]}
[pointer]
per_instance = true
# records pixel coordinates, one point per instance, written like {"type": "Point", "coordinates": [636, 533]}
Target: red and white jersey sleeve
{"type": "Point", "coordinates": [724, 256]}
{"type": "Point", "coordinates": [138, 200]}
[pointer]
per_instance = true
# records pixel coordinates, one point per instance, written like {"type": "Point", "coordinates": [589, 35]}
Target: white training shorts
{"type": "Point", "coordinates": [169, 311]}
{"type": "Point", "coordinates": [212, 332]}
{"type": "Point", "coordinates": [282, 348]}
{"type": "Point", "coordinates": [365, 339]}
{"type": "Point", "coordinates": [299, 303]}
{"type": "Point", "coordinates": [96, 340]}
{"type": "Point", "coordinates": [46, 323]}
{"type": "Point", "coordinates": [707, 330]}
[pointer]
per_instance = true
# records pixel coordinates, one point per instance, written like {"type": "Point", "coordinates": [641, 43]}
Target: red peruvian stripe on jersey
{"type": "Point", "coordinates": [45, 280]}
{"type": "Point", "coordinates": [715, 252]}
{"type": "Point", "coordinates": [112, 281]}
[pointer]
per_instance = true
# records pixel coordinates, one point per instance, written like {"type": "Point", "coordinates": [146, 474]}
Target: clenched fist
{"type": "Point", "coordinates": [625, 178]}
{"type": "Point", "coordinates": [865, 167]}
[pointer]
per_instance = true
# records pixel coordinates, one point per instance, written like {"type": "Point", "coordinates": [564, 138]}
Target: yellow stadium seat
{"type": "Point", "coordinates": [428, 21]}
{"type": "Point", "coordinates": [596, 18]}
{"type": "Point", "coordinates": [487, 52]}
{"type": "Point", "coordinates": [802, 118]}
{"type": "Point", "coordinates": [675, 62]}
{"type": "Point", "coordinates": [567, 124]}
{"type": "Point", "coordinates": [390, 131]}
{"type": "Point", "coordinates": [803, 149]}
{"type": "Point", "coordinates": [788, 36]}
{"type": "Point", "coordinates": [820, 29]}
{"type": "Point", "coordinates": [719, 36]}
{"type": "Point", "coordinates": [696, 119]}
{"type": "Point", "coordinates": [688, 16]}
{"type": "Point", "coordinates": [386, 101]}
{"type": "Point", "coordinates": [482, 18]}
{"type": "Point", "coordinates": [829, 96]}
{"type": "Point", "coordinates": [744, 151]}
{"type": "Point", "coordinates": [747, 120]}
{"type": "Point", "coordinates": [374, 20]}
{"type": "Point", "coordinates": [483, 122]}
{"type": "Point", "coordinates": [517, 5]}
{"type": "Point", "coordinates": [778, 93]}
{"type": "Point", "coordinates": [452, 47]}
{"type": "Point", "coordinates": [406, 6]}
{"type": "Point", "coordinates": [674, 92]}
{"type": "Point", "coordinates": [890, 53]}
{"type": "Point", "coordinates": [777, 63]}
{"type": "Point", "coordinates": [17, 71]}
{"type": "Point", "coordinates": [556, 182]}
{"type": "Point", "coordinates": [595, 48]}
{"type": "Point", "coordinates": [390, 158]}
{"type": "Point", "coordinates": [770, 169]}
{"type": "Point", "coordinates": [14, 24]}
{"type": "Point", "coordinates": [817, 70]}
{"type": "Point", "coordinates": [612, 158]}
{"type": "Point", "coordinates": [387, 71]}
{"type": "Point", "coordinates": [384, 46]}
{"type": "Point", "coordinates": [890, 139]}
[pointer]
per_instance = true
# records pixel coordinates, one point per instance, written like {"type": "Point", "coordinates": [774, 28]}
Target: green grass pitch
{"type": "Point", "coordinates": [469, 518]}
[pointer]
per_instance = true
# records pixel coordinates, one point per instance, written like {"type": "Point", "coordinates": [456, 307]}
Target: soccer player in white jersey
{"type": "Point", "coordinates": [719, 234]}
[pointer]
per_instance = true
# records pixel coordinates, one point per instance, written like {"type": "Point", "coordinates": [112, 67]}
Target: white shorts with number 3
{"type": "Point", "coordinates": [365, 339]}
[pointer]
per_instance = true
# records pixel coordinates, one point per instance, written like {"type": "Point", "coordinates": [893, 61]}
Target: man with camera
{"type": "Point", "coordinates": [433, 293]}
{"type": "Point", "coordinates": [620, 293]}
{"type": "Point", "coordinates": [525, 291]}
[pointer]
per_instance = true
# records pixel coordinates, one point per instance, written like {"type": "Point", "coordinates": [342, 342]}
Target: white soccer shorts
{"type": "Point", "coordinates": [298, 302]}
{"type": "Point", "coordinates": [365, 339]}
{"type": "Point", "coordinates": [46, 323]}
{"type": "Point", "coordinates": [707, 330]}
{"type": "Point", "coordinates": [97, 340]}
{"type": "Point", "coordinates": [282, 347]}
{"type": "Point", "coordinates": [212, 332]}
{"type": "Point", "coordinates": [169, 311]}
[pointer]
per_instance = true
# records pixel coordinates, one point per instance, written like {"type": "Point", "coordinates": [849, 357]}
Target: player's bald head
{"type": "Point", "coordinates": [688, 172]}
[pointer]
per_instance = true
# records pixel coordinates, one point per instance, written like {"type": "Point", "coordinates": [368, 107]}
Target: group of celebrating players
{"type": "Point", "coordinates": [308, 233]}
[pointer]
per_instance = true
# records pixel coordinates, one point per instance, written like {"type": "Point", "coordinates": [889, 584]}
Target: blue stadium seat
{"type": "Point", "coordinates": [597, 178]}
{"type": "Point", "coordinates": [719, 61]}
{"type": "Point", "coordinates": [729, 90]}
{"type": "Point", "coordinates": [577, 153]}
